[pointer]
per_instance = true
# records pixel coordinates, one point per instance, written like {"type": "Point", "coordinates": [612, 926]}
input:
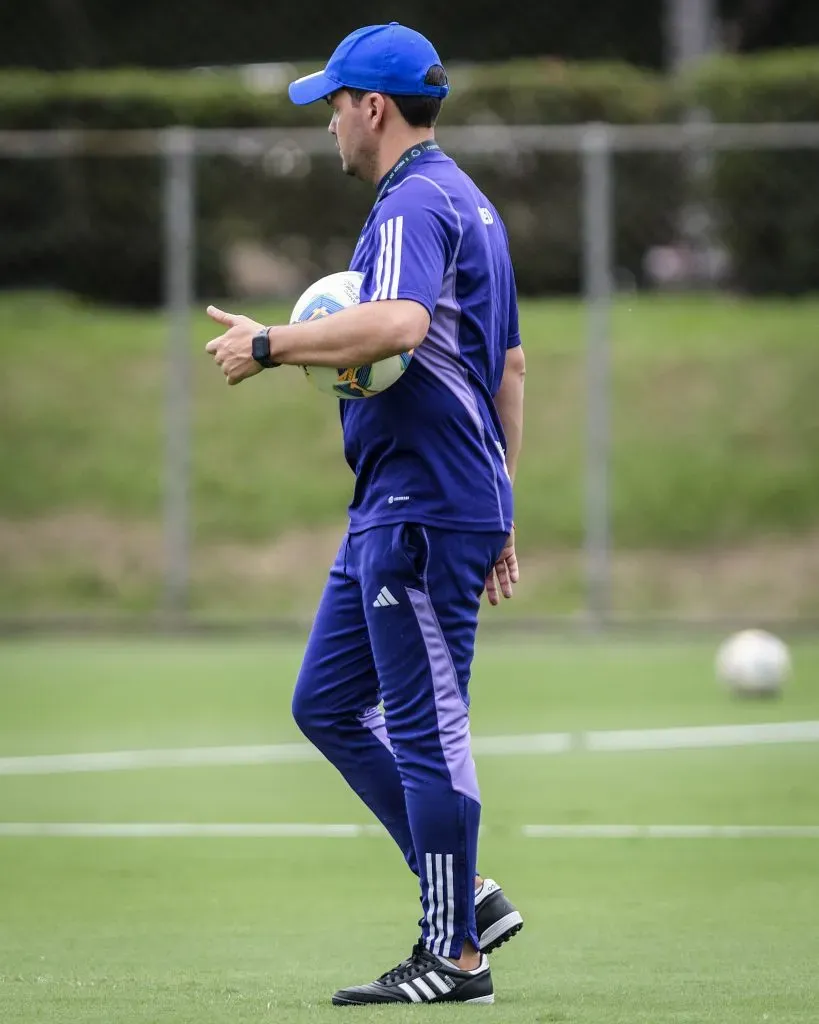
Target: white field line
{"type": "Point", "coordinates": [670, 831]}
{"type": "Point", "coordinates": [181, 757]}
{"type": "Point", "coordinates": [532, 743]}
{"type": "Point", "coordinates": [175, 830]}
{"type": "Point", "coordinates": [704, 736]}
{"type": "Point", "coordinates": [486, 746]}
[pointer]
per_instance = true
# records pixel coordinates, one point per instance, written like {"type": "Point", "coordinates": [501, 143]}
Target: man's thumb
{"type": "Point", "coordinates": [220, 316]}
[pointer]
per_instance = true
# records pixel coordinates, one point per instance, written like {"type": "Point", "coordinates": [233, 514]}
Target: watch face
{"type": "Point", "coordinates": [260, 349]}
{"type": "Point", "coordinates": [261, 346]}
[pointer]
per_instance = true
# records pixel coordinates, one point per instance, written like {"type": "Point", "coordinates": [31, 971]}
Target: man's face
{"type": "Point", "coordinates": [352, 133]}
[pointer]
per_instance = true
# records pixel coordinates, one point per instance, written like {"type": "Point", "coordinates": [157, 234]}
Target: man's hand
{"type": "Point", "coordinates": [505, 573]}
{"type": "Point", "coordinates": [233, 349]}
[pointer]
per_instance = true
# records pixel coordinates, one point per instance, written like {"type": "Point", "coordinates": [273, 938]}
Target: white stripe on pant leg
{"type": "Point", "coordinates": [439, 900]}
{"type": "Point", "coordinates": [430, 902]}
{"type": "Point", "coordinates": [396, 267]}
{"type": "Point", "coordinates": [450, 907]}
{"type": "Point", "coordinates": [414, 997]}
{"type": "Point", "coordinates": [379, 270]}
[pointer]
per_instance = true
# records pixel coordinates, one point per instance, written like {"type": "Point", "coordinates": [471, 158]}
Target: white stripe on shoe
{"type": "Point", "coordinates": [424, 989]}
{"type": "Point", "coordinates": [410, 991]}
{"type": "Point", "coordinates": [438, 982]}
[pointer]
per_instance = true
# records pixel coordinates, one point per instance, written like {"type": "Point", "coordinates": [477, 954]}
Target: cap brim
{"type": "Point", "coordinates": [312, 88]}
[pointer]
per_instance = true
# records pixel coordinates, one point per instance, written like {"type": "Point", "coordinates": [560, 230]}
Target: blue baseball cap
{"type": "Point", "coordinates": [391, 59]}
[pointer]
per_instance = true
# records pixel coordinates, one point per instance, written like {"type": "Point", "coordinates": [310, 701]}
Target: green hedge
{"type": "Point", "coordinates": [94, 224]}
{"type": "Point", "coordinates": [767, 201]}
{"type": "Point", "coordinates": [539, 194]}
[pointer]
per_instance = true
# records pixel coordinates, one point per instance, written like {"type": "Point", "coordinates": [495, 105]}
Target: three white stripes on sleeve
{"type": "Point", "coordinates": [388, 268]}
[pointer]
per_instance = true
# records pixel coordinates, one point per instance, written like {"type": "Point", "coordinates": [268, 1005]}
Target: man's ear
{"type": "Point", "coordinates": [376, 106]}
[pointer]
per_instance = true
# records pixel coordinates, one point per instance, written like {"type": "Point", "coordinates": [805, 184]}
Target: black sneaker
{"type": "Point", "coordinates": [424, 978]}
{"type": "Point", "coordinates": [497, 919]}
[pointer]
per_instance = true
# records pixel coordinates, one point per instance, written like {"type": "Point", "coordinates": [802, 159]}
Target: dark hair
{"type": "Point", "coordinates": [417, 111]}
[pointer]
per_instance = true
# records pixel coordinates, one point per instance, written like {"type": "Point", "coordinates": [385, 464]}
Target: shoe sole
{"type": "Point", "coordinates": [501, 931]}
{"type": "Point", "coordinates": [484, 1000]}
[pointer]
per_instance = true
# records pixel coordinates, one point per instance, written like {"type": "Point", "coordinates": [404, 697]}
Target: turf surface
{"type": "Point", "coordinates": [239, 930]}
{"type": "Point", "coordinates": [714, 444]}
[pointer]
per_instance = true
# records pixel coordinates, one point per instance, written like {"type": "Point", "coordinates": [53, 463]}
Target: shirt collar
{"type": "Point", "coordinates": [407, 158]}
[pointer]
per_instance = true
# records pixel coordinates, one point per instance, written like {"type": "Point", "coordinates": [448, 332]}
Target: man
{"type": "Point", "coordinates": [431, 517]}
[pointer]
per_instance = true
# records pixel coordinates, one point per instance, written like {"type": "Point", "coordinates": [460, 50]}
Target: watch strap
{"type": "Point", "coordinates": [261, 349]}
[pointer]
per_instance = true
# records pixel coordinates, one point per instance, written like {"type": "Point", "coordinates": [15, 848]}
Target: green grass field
{"type": "Point", "coordinates": [714, 450]}
{"type": "Point", "coordinates": [218, 930]}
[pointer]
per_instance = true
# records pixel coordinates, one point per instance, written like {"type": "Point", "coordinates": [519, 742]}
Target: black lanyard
{"type": "Point", "coordinates": [428, 146]}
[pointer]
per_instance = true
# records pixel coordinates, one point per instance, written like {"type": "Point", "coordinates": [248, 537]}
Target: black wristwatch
{"type": "Point", "coordinates": [261, 349]}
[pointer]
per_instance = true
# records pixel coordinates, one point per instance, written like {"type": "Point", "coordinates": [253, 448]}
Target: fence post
{"type": "Point", "coordinates": [178, 258]}
{"type": "Point", "coordinates": [597, 288]}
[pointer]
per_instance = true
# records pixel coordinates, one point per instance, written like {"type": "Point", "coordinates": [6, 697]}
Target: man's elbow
{"type": "Point", "coordinates": [515, 365]}
{"type": "Point", "coordinates": [407, 326]}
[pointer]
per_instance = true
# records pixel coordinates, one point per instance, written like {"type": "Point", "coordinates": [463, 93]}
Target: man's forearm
{"type": "Point", "coordinates": [352, 337]}
{"type": "Point", "coordinates": [509, 403]}
{"type": "Point", "coordinates": [510, 410]}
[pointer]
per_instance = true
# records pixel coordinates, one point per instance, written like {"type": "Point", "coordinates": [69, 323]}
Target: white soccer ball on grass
{"type": "Point", "coordinates": [327, 296]}
{"type": "Point", "coordinates": [753, 662]}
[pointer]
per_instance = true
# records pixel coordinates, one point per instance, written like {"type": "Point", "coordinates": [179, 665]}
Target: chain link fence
{"type": "Point", "coordinates": [671, 436]}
